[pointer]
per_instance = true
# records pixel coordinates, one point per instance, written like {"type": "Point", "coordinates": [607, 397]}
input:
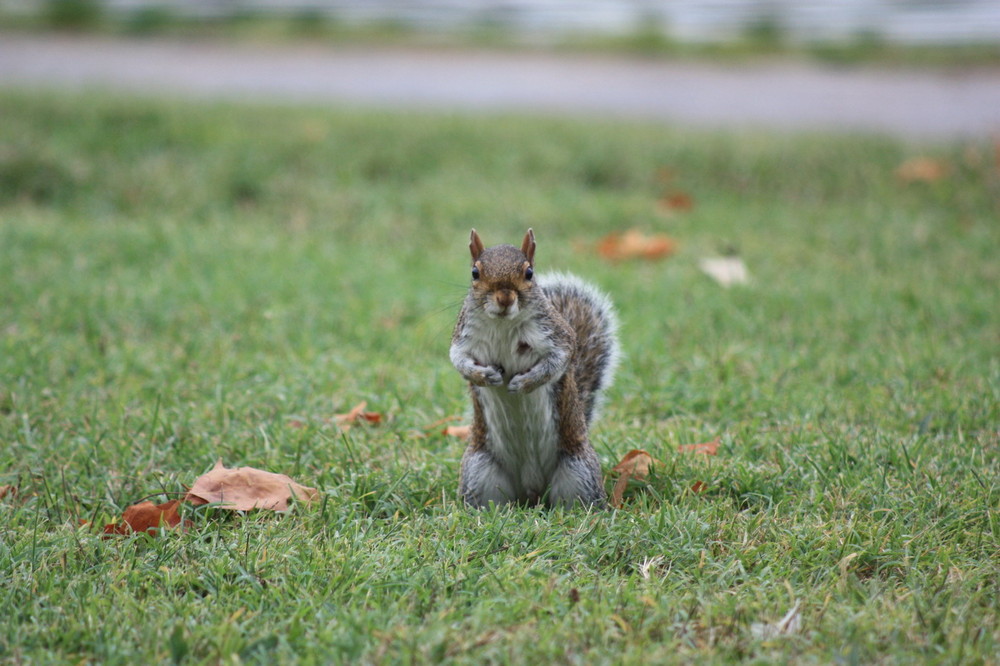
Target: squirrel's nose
{"type": "Point", "coordinates": [505, 298]}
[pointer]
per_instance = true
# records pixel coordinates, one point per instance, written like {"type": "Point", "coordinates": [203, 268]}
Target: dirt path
{"type": "Point", "coordinates": [912, 104]}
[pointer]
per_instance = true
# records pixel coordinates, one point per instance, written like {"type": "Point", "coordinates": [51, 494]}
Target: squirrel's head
{"type": "Point", "coordinates": [502, 276]}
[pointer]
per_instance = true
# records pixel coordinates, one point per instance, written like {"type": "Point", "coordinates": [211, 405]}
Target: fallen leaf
{"type": "Point", "coordinates": [922, 170]}
{"type": "Point", "coordinates": [676, 201]}
{"type": "Point", "coordinates": [146, 517]}
{"type": "Point", "coordinates": [8, 490]}
{"type": "Point", "coordinates": [634, 465]}
{"type": "Point", "coordinates": [699, 487]}
{"type": "Point", "coordinates": [618, 492]}
{"type": "Point", "coordinates": [460, 431]}
{"type": "Point", "coordinates": [247, 488]}
{"type": "Point", "coordinates": [634, 244]}
{"type": "Point", "coordinates": [790, 624]}
{"type": "Point", "coordinates": [357, 413]}
{"type": "Point", "coordinates": [708, 448]}
{"type": "Point", "coordinates": [727, 271]}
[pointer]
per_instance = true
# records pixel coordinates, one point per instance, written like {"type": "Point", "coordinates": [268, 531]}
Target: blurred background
{"type": "Point", "coordinates": [644, 24]}
{"type": "Point", "coordinates": [910, 67]}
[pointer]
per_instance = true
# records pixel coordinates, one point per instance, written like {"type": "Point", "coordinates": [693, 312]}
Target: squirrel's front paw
{"type": "Point", "coordinates": [486, 375]}
{"type": "Point", "coordinates": [523, 383]}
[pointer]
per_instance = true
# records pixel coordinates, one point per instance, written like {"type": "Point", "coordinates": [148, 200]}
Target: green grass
{"type": "Point", "coordinates": [187, 282]}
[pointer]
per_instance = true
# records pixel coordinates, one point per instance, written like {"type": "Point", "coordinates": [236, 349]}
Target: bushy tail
{"type": "Point", "coordinates": [592, 317]}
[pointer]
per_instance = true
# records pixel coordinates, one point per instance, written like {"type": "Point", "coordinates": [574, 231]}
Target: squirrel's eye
{"type": "Point", "coordinates": [475, 272]}
{"type": "Point", "coordinates": [528, 273]}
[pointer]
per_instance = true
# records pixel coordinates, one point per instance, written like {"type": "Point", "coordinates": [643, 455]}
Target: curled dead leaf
{"type": "Point", "coordinates": [707, 448]}
{"type": "Point", "coordinates": [247, 488]}
{"type": "Point", "coordinates": [8, 491]}
{"type": "Point", "coordinates": [699, 487]}
{"type": "Point", "coordinates": [146, 517]}
{"type": "Point", "coordinates": [634, 465]}
{"type": "Point", "coordinates": [460, 431]}
{"type": "Point", "coordinates": [922, 170]}
{"type": "Point", "coordinates": [634, 244]}
{"type": "Point", "coordinates": [676, 201]}
{"type": "Point", "coordinates": [356, 414]}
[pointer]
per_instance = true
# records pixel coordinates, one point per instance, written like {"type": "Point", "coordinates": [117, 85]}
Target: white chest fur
{"type": "Point", "coordinates": [521, 427]}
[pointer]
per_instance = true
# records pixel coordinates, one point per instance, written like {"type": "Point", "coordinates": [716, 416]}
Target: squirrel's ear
{"type": "Point", "coordinates": [475, 246]}
{"type": "Point", "coordinates": [528, 246]}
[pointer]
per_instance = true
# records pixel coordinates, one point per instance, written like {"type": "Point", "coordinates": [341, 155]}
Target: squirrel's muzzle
{"type": "Point", "coordinates": [505, 298]}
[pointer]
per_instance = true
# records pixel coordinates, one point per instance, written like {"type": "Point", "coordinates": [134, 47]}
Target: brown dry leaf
{"type": "Point", "coordinates": [246, 488]}
{"type": "Point", "coordinates": [146, 517]}
{"type": "Point", "coordinates": [460, 431]}
{"type": "Point", "coordinates": [8, 491]}
{"type": "Point", "coordinates": [677, 201]}
{"type": "Point", "coordinates": [708, 448]}
{"type": "Point", "coordinates": [618, 493]}
{"type": "Point", "coordinates": [635, 465]}
{"type": "Point", "coordinates": [699, 487]}
{"type": "Point", "coordinates": [634, 244]}
{"type": "Point", "coordinates": [922, 170]}
{"type": "Point", "coordinates": [357, 413]}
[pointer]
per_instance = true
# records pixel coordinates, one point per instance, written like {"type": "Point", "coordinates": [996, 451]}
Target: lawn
{"type": "Point", "coordinates": [187, 282]}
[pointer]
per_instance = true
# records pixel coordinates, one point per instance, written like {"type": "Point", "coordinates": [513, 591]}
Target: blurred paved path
{"type": "Point", "coordinates": [785, 96]}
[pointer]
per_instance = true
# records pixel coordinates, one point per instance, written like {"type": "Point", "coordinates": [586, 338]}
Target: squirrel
{"type": "Point", "coordinates": [537, 352]}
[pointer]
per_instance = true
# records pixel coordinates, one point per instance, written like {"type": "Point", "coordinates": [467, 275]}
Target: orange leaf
{"type": "Point", "coordinates": [618, 493]}
{"type": "Point", "coordinates": [146, 517]}
{"type": "Point", "coordinates": [922, 170]}
{"type": "Point", "coordinates": [460, 431]}
{"type": "Point", "coordinates": [246, 488]}
{"type": "Point", "coordinates": [633, 244]}
{"type": "Point", "coordinates": [635, 464]}
{"type": "Point", "coordinates": [699, 487]}
{"type": "Point", "coordinates": [677, 201]}
{"type": "Point", "coordinates": [357, 413]}
{"type": "Point", "coordinates": [708, 448]}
